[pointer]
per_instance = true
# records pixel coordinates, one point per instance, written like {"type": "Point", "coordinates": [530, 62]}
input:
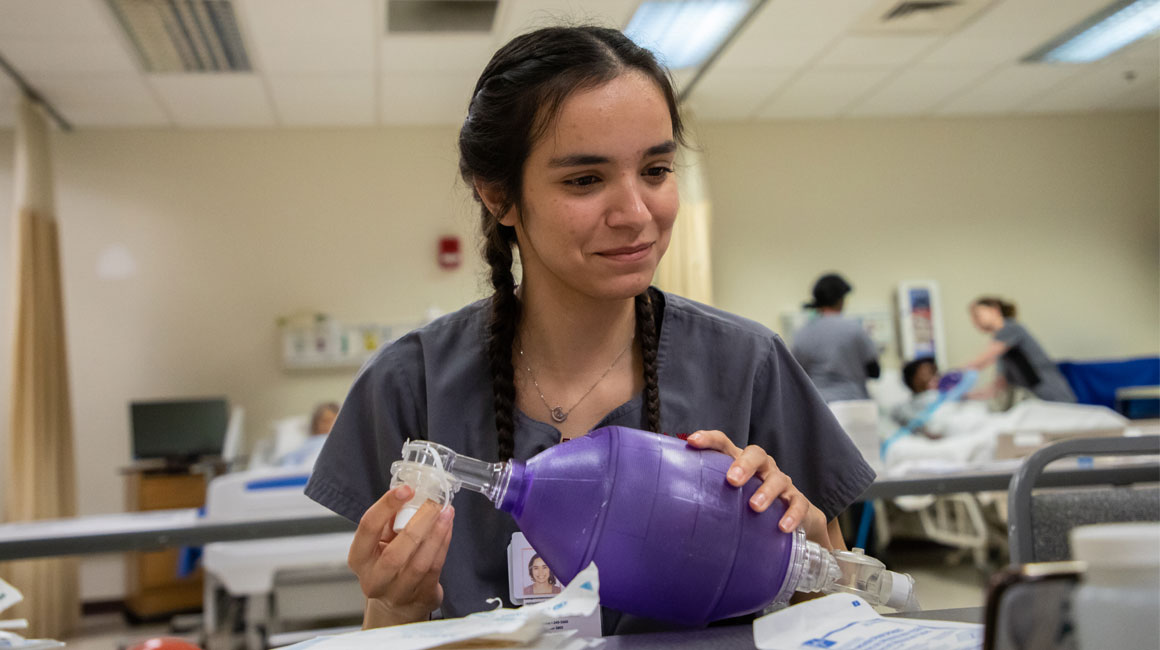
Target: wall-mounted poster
{"type": "Point", "coordinates": [920, 325]}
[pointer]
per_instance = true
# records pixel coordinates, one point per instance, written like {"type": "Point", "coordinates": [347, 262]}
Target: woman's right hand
{"type": "Point", "coordinates": [399, 572]}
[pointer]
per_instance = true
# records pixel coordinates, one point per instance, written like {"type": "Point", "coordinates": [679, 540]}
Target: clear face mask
{"type": "Point", "coordinates": [436, 473]}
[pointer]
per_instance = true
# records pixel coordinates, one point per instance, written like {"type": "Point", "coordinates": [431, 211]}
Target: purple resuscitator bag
{"type": "Point", "coordinates": [671, 538]}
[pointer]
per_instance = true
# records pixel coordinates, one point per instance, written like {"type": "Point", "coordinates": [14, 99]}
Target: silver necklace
{"type": "Point", "coordinates": [559, 414]}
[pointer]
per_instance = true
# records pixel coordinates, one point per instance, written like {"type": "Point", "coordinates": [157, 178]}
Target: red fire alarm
{"type": "Point", "coordinates": [449, 257]}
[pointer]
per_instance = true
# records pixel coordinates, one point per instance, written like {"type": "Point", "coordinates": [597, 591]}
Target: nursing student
{"type": "Point", "coordinates": [569, 144]}
{"type": "Point", "coordinates": [835, 351]}
{"type": "Point", "coordinates": [1022, 361]}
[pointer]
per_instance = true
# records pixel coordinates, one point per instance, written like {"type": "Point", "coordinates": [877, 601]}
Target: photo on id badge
{"type": "Point", "coordinates": [533, 578]}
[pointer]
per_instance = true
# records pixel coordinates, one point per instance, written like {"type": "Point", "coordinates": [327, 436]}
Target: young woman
{"type": "Point", "coordinates": [1022, 361]}
{"type": "Point", "coordinates": [569, 144]}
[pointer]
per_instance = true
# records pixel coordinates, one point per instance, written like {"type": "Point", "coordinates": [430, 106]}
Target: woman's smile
{"type": "Point", "coordinates": [632, 253]}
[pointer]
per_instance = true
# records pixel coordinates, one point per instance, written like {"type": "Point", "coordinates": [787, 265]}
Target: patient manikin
{"type": "Point", "coordinates": [320, 423]}
{"type": "Point", "coordinates": [959, 433]}
{"type": "Point", "coordinates": [952, 417]}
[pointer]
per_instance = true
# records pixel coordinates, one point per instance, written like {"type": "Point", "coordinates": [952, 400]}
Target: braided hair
{"type": "Point", "coordinates": [515, 100]}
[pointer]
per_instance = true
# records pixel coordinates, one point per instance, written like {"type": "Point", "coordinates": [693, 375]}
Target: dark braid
{"type": "Point", "coordinates": [501, 331]}
{"type": "Point", "coordinates": [516, 98]}
{"type": "Point", "coordinates": [646, 331]}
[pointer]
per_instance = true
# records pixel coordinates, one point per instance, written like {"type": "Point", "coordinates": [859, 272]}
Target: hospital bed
{"type": "Point", "coordinates": [270, 586]}
{"type": "Point", "coordinates": [971, 522]}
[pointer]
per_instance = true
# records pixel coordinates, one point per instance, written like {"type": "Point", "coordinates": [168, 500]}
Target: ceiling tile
{"type": "Point", "coordinates": [827, 17]}
{"type": "Point", "coordinates": [790, 33]}
{"type": "Point", "coordinates": [1007, 88]}
{"type": "Point", "coordinates": [205, 100]}
{"type": "Point", "coordinates": [324, 100]}
{"type": "Point", "coordinates": [1090, 90]}
{"type": "Point", "coordinates": [103, 100]}
{"type": "Point", "coordinates": [917, 90]}
{"type": "Point", "coordinates": [308, 36]}
{"type": "Point", "coordinates": [439, 52]}
{"type": "Point", "coordinates": [779, 52]}
{"type": "Point", "coordinates": [1141, 60]}
{"type": "Point", "coordinates": [960, 50]}
{"type": "Point", "coordinates": [84, 54]}
{"type": "Point", "coordinates": [877, 50]}
{"type": "Point", "coordinates": [56, 18]}
{"type": "Point", "coordinates": [519, 16]}
{"type": "Point", "coordinates": [424, 98]}
{"type": "Point", "coordinates": [735, 94]}
{"type": "Point", "coordinates": [823, 92]}
{"type": "Point", "coordinates": [1144, 95]}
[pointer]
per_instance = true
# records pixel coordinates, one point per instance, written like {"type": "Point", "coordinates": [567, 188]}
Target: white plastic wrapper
{"type": "Point", "coordinates": [9, 596]}
{"type": "Point", "coordinates": [518, 628]}
{"type": "Point", "coordinates": [846, 622]}
{"type": "Point", "coordinates": [11, 641]}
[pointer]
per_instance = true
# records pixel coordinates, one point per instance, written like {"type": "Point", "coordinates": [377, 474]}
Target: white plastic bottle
{"type": "Point", "coordinates": [1118, 604]}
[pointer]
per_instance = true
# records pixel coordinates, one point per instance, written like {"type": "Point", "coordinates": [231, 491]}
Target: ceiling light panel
{"type": "Point", "coordinates": [1103, 33]}
{"type": "Point", "coordinates": [183, 35]}
{"type": "Point", "coordinates": [683, 34]}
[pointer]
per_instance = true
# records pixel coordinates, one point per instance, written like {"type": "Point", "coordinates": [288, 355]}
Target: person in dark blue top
{"type": "Point", "coordinates": [569, 145]}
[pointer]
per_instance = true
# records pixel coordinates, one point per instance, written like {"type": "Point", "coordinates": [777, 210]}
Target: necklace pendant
{"type": "Point", "coordinates": [559, 415]}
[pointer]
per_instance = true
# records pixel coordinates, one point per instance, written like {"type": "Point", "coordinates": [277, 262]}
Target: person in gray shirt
{"type": "Point", "coordinates": [569, 144]}
{"type": "Point", "coordinates": [1021, 360]}
{"type": "Point", "coordinates": [835, 351]}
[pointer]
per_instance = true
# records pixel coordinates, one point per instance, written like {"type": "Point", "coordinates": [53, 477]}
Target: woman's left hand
{"type": "Point", "coordinates": [753, 461]}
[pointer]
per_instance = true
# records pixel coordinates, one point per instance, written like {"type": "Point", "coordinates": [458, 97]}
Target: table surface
{"type": "Point", "coordinates": [740, 637]}
{"type": "Point", "coordinates": [146, 531]}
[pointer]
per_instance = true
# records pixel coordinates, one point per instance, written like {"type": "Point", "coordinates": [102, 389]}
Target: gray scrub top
{"type": "Point", "coordinates": [1026, 364]}
{"type": "Point", "coordinates": [834, 352]}
{"type": "Point", "coordinates": [715, 371]}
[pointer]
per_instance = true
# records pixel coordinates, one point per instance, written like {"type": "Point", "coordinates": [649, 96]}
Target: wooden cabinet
{"type": "Point", "coordinates": [152, 583]}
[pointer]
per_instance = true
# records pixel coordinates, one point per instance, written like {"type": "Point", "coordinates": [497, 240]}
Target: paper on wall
{"type": "Point", "coordinates": [517, 627]}
{"type": "Point", "coordinates": [846, 622]}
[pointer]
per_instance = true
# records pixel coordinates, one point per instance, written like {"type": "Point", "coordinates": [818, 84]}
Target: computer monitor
{"type": "Point", "coordinates": [178, 431]}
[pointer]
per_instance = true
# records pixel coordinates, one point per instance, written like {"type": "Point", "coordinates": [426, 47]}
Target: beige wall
{"type": "Point", "coordinates": [1058, 213]}
{"type": "Point", "coordinates": [228, 231]}
{"type": "Point", "coordinates": [231, 229]}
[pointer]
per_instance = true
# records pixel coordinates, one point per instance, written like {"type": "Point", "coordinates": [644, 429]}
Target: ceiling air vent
{"type": "Point", "coordinates": [427, 16]}
{"type": "Point", "coordinates": [900, 17]}
{"type": "Point", "coordinates": [184, 35]}
{"type": "Point", "coordinates": [909, 8]}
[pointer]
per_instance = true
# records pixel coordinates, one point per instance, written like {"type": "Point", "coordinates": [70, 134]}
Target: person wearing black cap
{"type": "Point", "coordinates": [835, 351]}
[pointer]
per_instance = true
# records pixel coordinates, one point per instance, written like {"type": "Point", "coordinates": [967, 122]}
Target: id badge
{"type": "Point", "coordinates": [530, 581]}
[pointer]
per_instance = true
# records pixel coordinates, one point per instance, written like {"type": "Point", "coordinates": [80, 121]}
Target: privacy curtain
{"type": "Point", "coordinates": [40, 468]}
{"type": "Point", "coordinates": [685, 269]}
